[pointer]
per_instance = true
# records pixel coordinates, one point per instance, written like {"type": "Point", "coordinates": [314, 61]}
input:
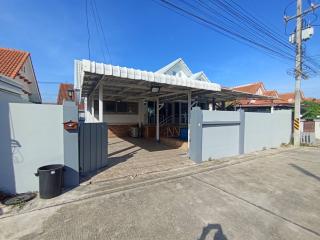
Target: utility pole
{"type": "Point", "coordinates": [298, 38]}
{"type": "Point", "coordinates": [298, 72]}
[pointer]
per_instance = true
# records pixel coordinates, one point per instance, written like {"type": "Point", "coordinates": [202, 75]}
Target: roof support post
{"type": "Point", "coordinates": [101, 102]}
{"type": "Point", "coordinates": [223, 105]}
{"type": "Point", "coordinates": [141, 111]}
{"type": "Point", "coordinates": [158, 122]}
{"type": "Point", "coordinates": [213, 104]}
{"type": "Point", "coordinates": [93, 118]}
{"type": "Point", "coordinates": [189, 117]}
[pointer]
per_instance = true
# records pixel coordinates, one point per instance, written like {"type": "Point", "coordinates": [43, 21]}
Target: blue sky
{"type": "Point", "coordinates": [144, 35]}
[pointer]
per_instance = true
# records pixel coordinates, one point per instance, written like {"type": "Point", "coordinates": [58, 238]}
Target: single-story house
{"type": "Point", "coordinates": [279, 101]}
{"type": "Point", "coordinates": [18, 81]}
{"type": "Point", "coordinates": [158, 102]}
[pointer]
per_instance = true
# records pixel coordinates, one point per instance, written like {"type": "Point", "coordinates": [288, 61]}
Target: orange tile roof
{"type": "Point", "coordinates": [11, 61]}
{"type": "Point", "coordinates": [249, 88]}
{"type": "Point", "coordinates": [271, 93]}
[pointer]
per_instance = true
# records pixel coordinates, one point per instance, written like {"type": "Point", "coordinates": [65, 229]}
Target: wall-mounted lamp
{"type": "Point", "coordinates": [70, 93]}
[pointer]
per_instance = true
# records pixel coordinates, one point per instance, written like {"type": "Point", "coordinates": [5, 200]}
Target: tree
{"type": "Point", "coordinates": [310, 110]}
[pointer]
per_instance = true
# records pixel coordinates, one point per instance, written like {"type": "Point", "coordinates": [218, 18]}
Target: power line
{"type": "Point", "coordinates": [97, 28]}
{"type": "Point", "coordinates": [88, 30]}
{"type": "Point", "coordinates": [103, 32]}
{"type": "Point", "coordinates": [54, 82]}
{"type": "Point", "coordinates": [230, 20]}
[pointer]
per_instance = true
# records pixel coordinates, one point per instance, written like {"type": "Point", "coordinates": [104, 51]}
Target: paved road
{"type": "Point", "coordinates": [271, 197]}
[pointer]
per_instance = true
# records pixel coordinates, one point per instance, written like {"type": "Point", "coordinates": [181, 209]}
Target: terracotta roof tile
{"type": "Point", "coordinates": [11, 61]}
{"type": "Point", "coordinates": [249, 88]}
{"type": "Point", "coordinates": [271, 93]}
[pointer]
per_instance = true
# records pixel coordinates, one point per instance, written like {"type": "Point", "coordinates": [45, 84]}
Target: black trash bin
{"type": "Point", "coordinates": [50, 180]}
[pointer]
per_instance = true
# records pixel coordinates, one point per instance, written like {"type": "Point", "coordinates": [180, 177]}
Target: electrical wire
{"type": "Point", "coordinates": [104, 36]}
{"type": "Point", "coordinates": [88, 30]}
{"type": "Point", "coordinates": [97, 28]}
{"type": "Point", "coordinates": [253, 33]}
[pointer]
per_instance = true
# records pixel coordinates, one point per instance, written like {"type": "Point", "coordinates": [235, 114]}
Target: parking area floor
{"type": "Point", "coordinates": [268, 195]}
{"type": "Point", "coordinates": [131, 157]}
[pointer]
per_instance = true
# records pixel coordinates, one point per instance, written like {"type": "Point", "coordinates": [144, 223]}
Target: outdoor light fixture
{"type": "Point", "coordinates": [155, 89]}
{"type": "Point", "coordinates": [70, 93]}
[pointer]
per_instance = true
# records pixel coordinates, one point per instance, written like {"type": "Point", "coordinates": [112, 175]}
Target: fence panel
{"type": "Point", "coordinates": [93, 149]}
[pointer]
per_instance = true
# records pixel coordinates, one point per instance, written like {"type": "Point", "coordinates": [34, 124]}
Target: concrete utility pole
{"type": "Point", "coordinates": [298, 38]}
{"type": "Point", "coordinates": [298, 72]}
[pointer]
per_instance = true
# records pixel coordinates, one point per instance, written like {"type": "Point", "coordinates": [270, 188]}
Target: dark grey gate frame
{"type": "Point", "coordinates": [93, 150]}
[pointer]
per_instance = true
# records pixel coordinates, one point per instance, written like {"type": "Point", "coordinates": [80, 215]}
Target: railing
{"type": "Point", "coordinates": [308, 138]}
{"type": "Point", "coordinates": [170, 131]}
{"type": "Point", "coordinates": [169, 119]}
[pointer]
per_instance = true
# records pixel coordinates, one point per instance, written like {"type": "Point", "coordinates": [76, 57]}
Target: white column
{"type": "Point", "coordinates": [210, 107]}
{"type": "Point", "coordinates": [86, 109]}
{"type": "Point", "coordinates": [272, 109]}
{"type": "Point", "coordinates": [93, 118]}
{"type": "Point", "coordinates": [101, 102]}
{"type": "Point", "coordinates": [158, 123]}
{"type": "Point", "coordinates": [189, 117]}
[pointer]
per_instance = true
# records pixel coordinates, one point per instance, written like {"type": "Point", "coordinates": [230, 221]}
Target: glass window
{"type": "Point", "coordinates": [122, 107]}
{"type": "Point", "coordinates": [109, 106]}
{"type": "Point", "coordinates": [132, 107]}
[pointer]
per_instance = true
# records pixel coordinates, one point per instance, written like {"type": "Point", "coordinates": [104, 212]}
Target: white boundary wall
{"type": "Point", "coordinates": [217, 134]}
{"type": "Point", "coordinates": [32, 135]}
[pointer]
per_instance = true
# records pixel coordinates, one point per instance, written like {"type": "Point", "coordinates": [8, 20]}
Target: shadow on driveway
{"type": "Point", "coordinates": [304, 171]}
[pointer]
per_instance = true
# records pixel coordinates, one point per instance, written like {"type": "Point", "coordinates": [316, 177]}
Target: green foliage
{"type": "Point", "coordinates": [310, 110]}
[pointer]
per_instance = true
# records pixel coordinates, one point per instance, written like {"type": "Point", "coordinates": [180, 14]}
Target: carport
{"type": "Point", "coordinates": [104, 82]}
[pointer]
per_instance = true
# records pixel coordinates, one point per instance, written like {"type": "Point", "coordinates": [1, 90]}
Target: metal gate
{"type": "Point", "coordinates": [93, 150]}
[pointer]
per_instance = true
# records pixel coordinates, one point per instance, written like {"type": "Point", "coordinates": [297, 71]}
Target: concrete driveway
{"type": "Point", "coordinates": [270, 195]}
{"type": "Point", "coordinates": [131, 157]}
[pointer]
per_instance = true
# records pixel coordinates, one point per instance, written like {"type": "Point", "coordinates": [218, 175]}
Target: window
{"type": "Point", "coordinates": [132, 107]}
{"type": "Point", "coordinates": [109, 106]}
{"type": "Point", "coordinates": [120, 107]}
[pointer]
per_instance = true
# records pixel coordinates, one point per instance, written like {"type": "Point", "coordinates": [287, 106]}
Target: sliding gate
{"type": "Point", "coordinates": [93, 148]}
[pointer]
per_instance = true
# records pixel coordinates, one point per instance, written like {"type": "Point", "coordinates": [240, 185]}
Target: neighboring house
{"type": "Point", "coordinates": [67, 93]}
{"type": "Point", "coordinates": [11, 91]}
{"type": "Point", "coordinates": [160, 102]}
{"type": "Point", "coordinates": [16, 69]}
{"type": "Point", "coordinates": [279, 101]}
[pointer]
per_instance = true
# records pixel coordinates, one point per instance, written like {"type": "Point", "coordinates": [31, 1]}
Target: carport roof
{"type": "Point", "coordinates": [121, 83]}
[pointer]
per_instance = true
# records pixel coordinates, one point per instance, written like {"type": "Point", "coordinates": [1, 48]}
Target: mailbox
{"type": "Point", "coordinates": [70, 125]}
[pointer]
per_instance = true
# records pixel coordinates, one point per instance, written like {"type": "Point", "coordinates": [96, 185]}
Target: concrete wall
{"type": "Point", "coordinates": [32, 135]}
{"type": "Point", "coordinates": [217, 134]}
{"type": "Point", "coordinates": [121, 118]}
{"type": "Point", "coordinates": [221, 133]}
{"type": "Point", "coordinates": [317, 128]}
{"type": "Point", "coordinates": [266, 130]}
